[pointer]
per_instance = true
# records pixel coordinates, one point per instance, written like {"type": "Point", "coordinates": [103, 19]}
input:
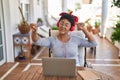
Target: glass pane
{"type": "Point", "coordinates": [0, 37]}
{"type": "Point", "coordinates": [26, 7]}
{"type": "Point", "coordinates": [1, 53]}
{"type": "Point", "coordinates": [27, 12]}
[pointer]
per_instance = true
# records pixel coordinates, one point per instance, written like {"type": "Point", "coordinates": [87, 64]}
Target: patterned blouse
{"type": "Point", "coordinates": [65, 50]}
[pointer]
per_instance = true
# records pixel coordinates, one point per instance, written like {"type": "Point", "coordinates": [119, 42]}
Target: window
{"type": "Point", "coordinates": [27, 12]}
{"type": "Point", "coordinates": [26, 9]}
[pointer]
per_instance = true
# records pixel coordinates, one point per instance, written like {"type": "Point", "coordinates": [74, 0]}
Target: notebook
{"type": "Point", "coordinates": [88, 75]}
{"type": "Point", "coordinates": [59, 67]}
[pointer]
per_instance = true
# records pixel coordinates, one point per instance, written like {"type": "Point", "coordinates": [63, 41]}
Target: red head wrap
{"type": "Point", "coordinates": [71, 18]}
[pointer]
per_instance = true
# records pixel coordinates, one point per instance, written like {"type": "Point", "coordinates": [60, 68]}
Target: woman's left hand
{"type": "Point", "coordinates": [80, 26]}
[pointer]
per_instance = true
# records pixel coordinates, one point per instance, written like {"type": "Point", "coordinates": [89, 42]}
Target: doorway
{"type": "Point", "coordinates": [2, 40]}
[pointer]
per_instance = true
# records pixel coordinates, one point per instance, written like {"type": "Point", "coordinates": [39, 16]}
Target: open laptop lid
{"type": "Point", "coordinates": [59, 67]}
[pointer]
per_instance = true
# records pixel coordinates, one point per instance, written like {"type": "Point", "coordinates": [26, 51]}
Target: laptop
{"type": "Point", "coordinates": [59, 67]}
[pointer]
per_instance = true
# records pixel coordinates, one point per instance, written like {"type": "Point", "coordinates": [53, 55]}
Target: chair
{"type": "Point", "coordinates": [81, 50]}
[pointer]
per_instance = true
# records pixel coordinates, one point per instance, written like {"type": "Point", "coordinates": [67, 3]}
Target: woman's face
{"type": "Point", "coordinates": [64, 26]}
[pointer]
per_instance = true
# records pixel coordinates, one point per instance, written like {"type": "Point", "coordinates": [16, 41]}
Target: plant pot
{"type": "Point", "coordinates": [95, 31]}
{"type": "Point", "coordinates": [117, 44]}
{"type": "Point", "coordinates": [24, 29]}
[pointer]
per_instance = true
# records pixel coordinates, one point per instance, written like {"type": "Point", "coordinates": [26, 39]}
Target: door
{"type": "Point", "coordinates": [2, 45]}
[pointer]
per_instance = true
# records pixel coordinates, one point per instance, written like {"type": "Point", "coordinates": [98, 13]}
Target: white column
{"type": "Point", "coordinates": [104, 18]}
{"type": "Point", "coordinates": [9, 17]}
{"type": "Point", "coordinates": [64, 5]}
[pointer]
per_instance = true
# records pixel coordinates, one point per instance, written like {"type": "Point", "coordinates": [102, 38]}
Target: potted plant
{"type": "Point", "coordinates": [89, 26]}
{"type": "Point", "coordinates": [39, 22]}
{"type": "Point", "coordinates": [55, 28]}
{"type": "Point", "coordinates": [23, 27]}
{"type": "Point", "coordinates": [115, 37]}
{"type": "Point", "coordinates": [97, 24]}
{"type": "Point", "coordinates": [96, 29]}
{"type": "Point", "coordinates": [116, 33]}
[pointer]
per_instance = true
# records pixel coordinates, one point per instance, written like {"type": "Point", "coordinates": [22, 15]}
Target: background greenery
{"type": "Point", "coordinates": [116, 3]}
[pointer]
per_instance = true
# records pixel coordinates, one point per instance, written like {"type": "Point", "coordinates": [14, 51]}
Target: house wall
{"type": "Point", "coordinates": [10, 22]}
{"type": "Point", "coordinates": [12, 18]}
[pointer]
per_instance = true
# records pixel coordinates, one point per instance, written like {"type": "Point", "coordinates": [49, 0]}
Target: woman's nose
{"type": "Point", "coordinates": [63, 25]}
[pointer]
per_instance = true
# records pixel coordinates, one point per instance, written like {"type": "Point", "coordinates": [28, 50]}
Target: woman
{"type": "Point", "coordinates": [64, 44]}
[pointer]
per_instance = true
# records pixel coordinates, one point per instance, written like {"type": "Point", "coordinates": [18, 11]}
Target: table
{"type": "Point", "coordinates": [102, 76]}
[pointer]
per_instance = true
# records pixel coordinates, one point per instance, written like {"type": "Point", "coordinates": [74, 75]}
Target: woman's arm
{"type": "Point", "coordinates": [37, 40]}
{"type": "Point", "coordinates": [34, 36]}
{"type": "Point", "coordinates": [80, 26]}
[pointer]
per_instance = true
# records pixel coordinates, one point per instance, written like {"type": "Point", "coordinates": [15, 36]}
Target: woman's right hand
{"type": "Point", "coordinates": [33, 27]}
{"type": "Point", "coordinates": [80, 26]}
{"type": "Point", "coordinates": [34, 30]}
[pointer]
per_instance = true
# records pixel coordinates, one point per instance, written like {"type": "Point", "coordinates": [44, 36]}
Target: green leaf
{"type": "Point", "coordinates": [115, 35]}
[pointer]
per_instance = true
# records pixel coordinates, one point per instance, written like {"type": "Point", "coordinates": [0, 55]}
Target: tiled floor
{"type": "Point", "coordinates": [106, 59]}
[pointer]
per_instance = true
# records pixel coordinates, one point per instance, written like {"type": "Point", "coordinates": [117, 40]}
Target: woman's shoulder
{"type": "Point", "coordinates": [75, 38]}
{"type": "Point", "coordinates": [52, 38]}
{"type": "Point", "coordinates": [77, 34]}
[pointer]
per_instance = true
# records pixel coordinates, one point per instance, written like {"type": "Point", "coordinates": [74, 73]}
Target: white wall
{"type": "Point", "coordinates": [109, 33]}
{"type": "Point", "coordinates": [15, 16]}
{"type": "Point", "coordinates": [10, 19]}
{"type": "Point", "coordinates": [54, 9]}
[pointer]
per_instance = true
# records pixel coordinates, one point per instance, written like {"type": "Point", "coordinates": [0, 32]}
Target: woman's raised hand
{"type": "Point", "coordinates": [80, 26]}
{"type": "Point", "coordinates": [33, 27]}
{"type": "Point", "coordinates": [34, 30]}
